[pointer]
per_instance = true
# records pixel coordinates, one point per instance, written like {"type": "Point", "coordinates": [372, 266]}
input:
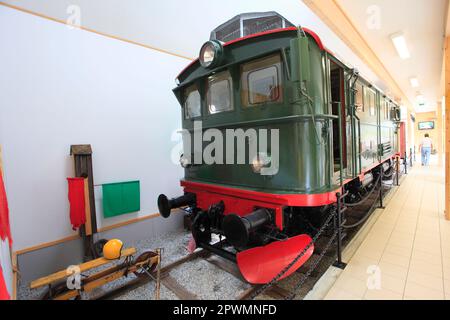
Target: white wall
{"type": "Point", "coordinates": [61, 87]}
{"type": "Point", "coordinates": [182, 27]}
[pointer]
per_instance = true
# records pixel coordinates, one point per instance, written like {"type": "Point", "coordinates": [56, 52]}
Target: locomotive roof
{"type": "Point", "coordinates": [264, 33]}
{"type": "Point", "coordinates": [249, 23]}
{"type": "Point", "coordinates": [287, 27]}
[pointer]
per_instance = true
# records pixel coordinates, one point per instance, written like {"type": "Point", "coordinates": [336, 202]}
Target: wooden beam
{"type": "Point", "coordinates": [181, 292]}
{"type": "Point", "coordinates": [87, 205]}
{"type": "Point", "coordinates": [447, 128]}
{"type": "Point", "coordinates": [37, 14]}
{"type": "Point", "coordinates": [440, 132]}
{"type": "Point", "coordinates": [100, 230]}
{"type": "Point", "coordinates": [334, 16]}
{"type": "Point", "coordinates": [83, 267]}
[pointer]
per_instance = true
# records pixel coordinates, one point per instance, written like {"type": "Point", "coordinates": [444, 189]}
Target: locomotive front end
{"type": "Point", "coordinates": [247, 163]}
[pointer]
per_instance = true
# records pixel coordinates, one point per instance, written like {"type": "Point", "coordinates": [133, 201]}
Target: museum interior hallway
{"type": "Point", "coordinates": [406, 253]}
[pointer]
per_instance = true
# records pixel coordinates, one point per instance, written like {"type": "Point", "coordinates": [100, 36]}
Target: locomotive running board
{"type": "Point", "coordinates": [262, 264]}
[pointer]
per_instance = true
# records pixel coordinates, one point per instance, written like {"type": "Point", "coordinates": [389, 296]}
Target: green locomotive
{"type": "Point", "coordinates": [329, 131]}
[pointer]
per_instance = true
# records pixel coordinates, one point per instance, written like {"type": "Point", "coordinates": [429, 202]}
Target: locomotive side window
{"type": "Point", "coordinates": [359, 101]}
{"type": "Point", "coordinates": [388, 107]}
{"type": "Point", "coordinates": [385, 109]}
{"type": "Point", "coordinates": [220, 94]}
{"type": "Point", "coordinates": [192, 104]}
{"type": "Point", "coordinates": [369, 100]}
{"type": "Point", "coordinates": [261, 81]}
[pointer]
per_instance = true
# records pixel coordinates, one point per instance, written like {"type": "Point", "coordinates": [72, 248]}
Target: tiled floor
{"type": "Point", "coordinates": [406, 254]}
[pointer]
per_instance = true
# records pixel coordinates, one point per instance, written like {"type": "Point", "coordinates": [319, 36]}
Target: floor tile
{"type": "Point", "coordinates": [414, 291]}
{"type": "Point", "coordinates": [409, 245]}
{"type": "Point", "coordinates": [382, 295]}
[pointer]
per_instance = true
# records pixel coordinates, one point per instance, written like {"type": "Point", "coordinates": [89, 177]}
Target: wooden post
{"type": "Point", "coordinates": [439, 128]}
{"type": "Point", "coordinates": [82, 155]}
{"type": "Point", "coordinates": [87, 205]}
{"type": "Point", "coordinates": [158, 276]}
{"type": "Point", "coordinates": [447, 128]}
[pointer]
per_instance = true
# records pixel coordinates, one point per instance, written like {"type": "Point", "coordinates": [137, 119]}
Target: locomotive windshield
{"type": "Point", "coordinates": [261, 81]}
{"type": "Point", "coordinates": [219, 94]}
{"type": "Point", "coordinates": [192, 105]}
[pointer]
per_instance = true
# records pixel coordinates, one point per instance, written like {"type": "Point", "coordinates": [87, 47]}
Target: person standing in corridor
{"type": "Point", "coordinates": [425, 147]}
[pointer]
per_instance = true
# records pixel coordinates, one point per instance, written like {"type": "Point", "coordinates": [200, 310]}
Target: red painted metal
{"type": "Point", "coordinates": [296, 200]}
{"type": "Point", "coordinates": [261, 264]}
{"type": "Point", "coordinates": [243, 202]}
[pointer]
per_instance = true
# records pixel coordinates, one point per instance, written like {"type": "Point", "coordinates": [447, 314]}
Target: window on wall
{"type": "Point", "coordinates": [220, 93]}
{"type": "Point", "coordinates": [369, 100]}
{"type": "Point", "coordinates": [192, 104]}
{"type": "Point", "coordinates": [359, 97]}
{"type": "Point", "coordinates": [261, 81]}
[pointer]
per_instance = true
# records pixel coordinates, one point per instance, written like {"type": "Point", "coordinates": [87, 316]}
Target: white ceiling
{"type": "Point", "coordinates": [423, 24]}
{"type": "Point", "coordinates": [181, 28]}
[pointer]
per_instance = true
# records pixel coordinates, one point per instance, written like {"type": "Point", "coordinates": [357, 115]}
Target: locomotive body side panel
{"type": "Point", "coordinates": [304, 146]}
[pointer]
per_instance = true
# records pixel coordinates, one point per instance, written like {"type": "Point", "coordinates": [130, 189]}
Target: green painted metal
{"type": "Point", "coordinates": [304, 118]}
{"type": "Point", "coordinates": [120, 198]}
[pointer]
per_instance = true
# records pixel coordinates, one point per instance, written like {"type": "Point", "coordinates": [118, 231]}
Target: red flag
{"type": "Point", "coordinates": [5, 231]}
{"type": "Point", "coordinates": [4, 295]}
{"type": "Point", "coordinates": [76, 200]}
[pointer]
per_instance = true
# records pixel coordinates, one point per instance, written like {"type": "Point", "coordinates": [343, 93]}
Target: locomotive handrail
{"type": "Point", "coordinates": [341, 153]}
{"type": "Point", "coordinates": [267, 120]}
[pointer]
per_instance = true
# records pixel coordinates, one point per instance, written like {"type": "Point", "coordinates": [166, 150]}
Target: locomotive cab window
{"type": "Point", "coordinates": [261, 81]}
{"type": "Point", "coordinates": [192, 104]}
{"type": "Point", "coordinates": [370, 100]}
{"type": "Point", "coordinates": [220, 93]}
{"type": "Point", "coordinates": [359, 100]}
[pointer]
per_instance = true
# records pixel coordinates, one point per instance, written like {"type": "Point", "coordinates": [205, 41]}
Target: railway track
{"type": "Point", "coordinates": [281, 289]}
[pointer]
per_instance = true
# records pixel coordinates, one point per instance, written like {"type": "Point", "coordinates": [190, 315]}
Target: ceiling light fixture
{"type": "Point", "coordinates": [420, 99]}
{"type": "Point", "coordinates": [414, 82]}
{"type": "Point", "coordinates": [400, 45]}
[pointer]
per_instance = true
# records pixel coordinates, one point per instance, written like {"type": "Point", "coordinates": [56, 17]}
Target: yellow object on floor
{"type": "Point", "coordinates": [112, 249]}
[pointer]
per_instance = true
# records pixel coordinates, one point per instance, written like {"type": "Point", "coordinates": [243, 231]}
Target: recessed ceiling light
{"type": "Point", "coordinates": [414, 82]}
{"type": "Point", "coordinates": [400, 45]}
{"type": "Point", "coordinates": [420, 99]}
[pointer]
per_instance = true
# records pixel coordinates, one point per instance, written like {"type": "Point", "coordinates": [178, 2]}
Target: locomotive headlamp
{"type": "Point", "coordinates": [211, 54]}
{"type": "Point", "coordinates": [261, 160]}
{"type": "Point", "coordinates": [184, 162]}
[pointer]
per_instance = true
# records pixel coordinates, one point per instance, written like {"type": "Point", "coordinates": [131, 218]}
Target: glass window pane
{"type": "Point", "coordinates": [220, 96]}
{"type": "Point", "coordinates": [370, 100]}
{"type": "Point", "coordinates": [263, 85]}
{"type": "Point", "coordinates": [359, 102]}
{"type": "Point", "coordinates": [192, 105]}
{"type": "Point", "coordinates": [261, 81]}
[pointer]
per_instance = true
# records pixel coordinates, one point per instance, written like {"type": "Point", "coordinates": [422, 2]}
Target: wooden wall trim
{"type": "Point", "coordinates": [95, 31]}
{"type": "Point", "coordinates": [15, 275]}
{"type": "Point", "coordinates": [334, 16]}
{"type": "Point", "coordinates": [447, 128]}
{"type": "Point", "coordinates": [76, 236]}
{"type": "Point", "coordinates": [46, 245]}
